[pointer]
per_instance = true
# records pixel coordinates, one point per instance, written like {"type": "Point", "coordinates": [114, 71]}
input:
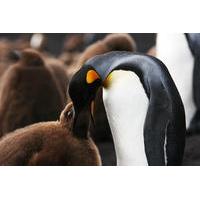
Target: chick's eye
{"type": "Point", "coordinates": [69, 114]}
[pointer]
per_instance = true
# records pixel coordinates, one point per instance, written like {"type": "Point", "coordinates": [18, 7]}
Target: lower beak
{"type": "Point", "coordinates": [92, 108]}
{"type": "Point", "coordinates": [92, 112]}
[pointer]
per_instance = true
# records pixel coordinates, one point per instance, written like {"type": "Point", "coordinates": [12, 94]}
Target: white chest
{"type": "Point", "coordinates": [126, 106]}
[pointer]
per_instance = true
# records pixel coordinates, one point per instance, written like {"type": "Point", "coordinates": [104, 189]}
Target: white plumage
{"type": "Point", "coordinates": [126, 106]}
{"type": "Point", "coordinates": [174, 52]}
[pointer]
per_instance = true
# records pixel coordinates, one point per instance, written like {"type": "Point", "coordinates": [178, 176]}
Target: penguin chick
{"type": "Point", "coordinates": [112, 42]}
{"type": "Point", "coordinates": [29, 93]}
{"type": "Point", "coordinates": [120, 42]}
{"type": "Point", "coordinates": [48, 143]}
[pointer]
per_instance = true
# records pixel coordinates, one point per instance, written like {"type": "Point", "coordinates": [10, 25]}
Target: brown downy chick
{"type": "Point", "coordinates": [48, 143]}
{"type": "Point", "coordinates": [29, 93]}
{"type": "Point", "coordinates": [112, 42]}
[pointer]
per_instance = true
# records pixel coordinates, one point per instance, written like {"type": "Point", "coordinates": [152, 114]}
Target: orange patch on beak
{"type": "Point", "coordinates": [91, 76]}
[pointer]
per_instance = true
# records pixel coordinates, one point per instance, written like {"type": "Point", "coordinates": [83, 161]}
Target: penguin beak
{"type": "Point", "coordinates": [81, 122]}
{"type": "Point", "coordinates": [83, 119]}
{"type": "Point", "coordinates": [92, 113]}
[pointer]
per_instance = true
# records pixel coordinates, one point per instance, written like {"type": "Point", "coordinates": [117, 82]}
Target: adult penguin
{"type": "Point", "coordinates": [143, 106]}
{"type": "Point", "coordinates": [180, 53]}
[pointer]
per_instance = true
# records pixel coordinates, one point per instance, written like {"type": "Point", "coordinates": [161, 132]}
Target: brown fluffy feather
{"type": "Point", "coordinates": [48, 143]}
{"type": "Point", "coordinates": [112, 42]}
{"type": "Point", "coordinates": [30, 92]}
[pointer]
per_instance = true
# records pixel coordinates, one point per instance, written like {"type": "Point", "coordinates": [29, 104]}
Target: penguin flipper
{"type": "Point", "coordinates": [175, 144]}
{"type": "Point", "coordinates": [154, 136]}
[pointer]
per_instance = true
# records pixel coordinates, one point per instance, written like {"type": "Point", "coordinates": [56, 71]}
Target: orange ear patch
{"type": "Point", "coordinates": [108, 80]}
{"type": "Point", "coordinates": [91, 76]}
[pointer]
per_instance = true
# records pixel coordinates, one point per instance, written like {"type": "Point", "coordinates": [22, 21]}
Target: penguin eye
{"type": "Point", "coordinates": [91, 76]}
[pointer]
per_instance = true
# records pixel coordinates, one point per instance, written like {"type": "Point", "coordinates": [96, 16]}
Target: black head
{"type": "Point", "coordinates": [83, 87]}
{"type": "Point", "coordinates": [82, 90]}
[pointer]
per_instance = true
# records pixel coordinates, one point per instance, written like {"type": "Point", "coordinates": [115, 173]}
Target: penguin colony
{"type": "Point", "coordinates": [62, 110]}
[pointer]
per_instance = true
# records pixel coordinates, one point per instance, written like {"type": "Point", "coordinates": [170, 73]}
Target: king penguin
{"type": "Point", "coordinates": [143, 106]}
{"type": "Point", "coordinates": [181, 54]}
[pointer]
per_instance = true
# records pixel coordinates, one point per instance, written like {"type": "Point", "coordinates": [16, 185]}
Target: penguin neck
{"type": "Point", "coordinates": [126, 106]}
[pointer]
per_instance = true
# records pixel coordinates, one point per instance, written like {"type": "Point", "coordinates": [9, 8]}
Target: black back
{"type": "Point", "coordinates": [165, 119]}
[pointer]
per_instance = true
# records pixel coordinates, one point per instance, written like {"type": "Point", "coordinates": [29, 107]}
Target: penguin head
{"type": "Point", "coordinates": [83, 88]}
